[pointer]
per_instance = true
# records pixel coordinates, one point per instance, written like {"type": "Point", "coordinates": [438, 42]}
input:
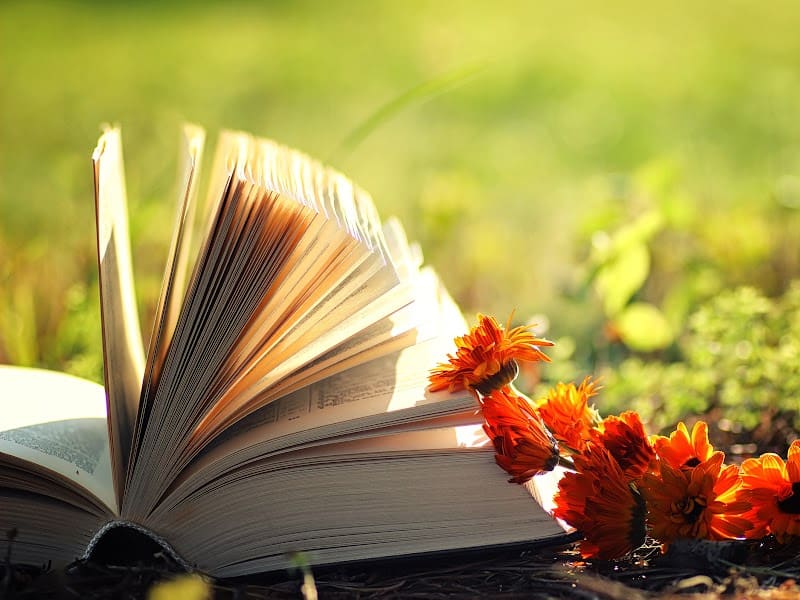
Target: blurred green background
{"type": "Point", "coordinates": [610, 170]}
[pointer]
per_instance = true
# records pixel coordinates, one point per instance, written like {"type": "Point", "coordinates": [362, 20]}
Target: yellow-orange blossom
{"type": "Point", "coordinates": [485, 358]}
{"type": "Point", "coordinates": [567, 413]}
{"type": "Point", "coordinates": [772, 488]}
{"type": "Point", "coordinates": [523, 446]}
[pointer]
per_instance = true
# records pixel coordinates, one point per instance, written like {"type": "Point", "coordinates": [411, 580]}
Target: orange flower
{"type": "Point", "coordinates": [566, 412]}
{"type": "Point", "coordinates": [599, 502]}
{"type": "Point", "coordinates": [523, 445]}
{"type": "Point", "coordinates": [625, 438]}
{"type": "Point", "coordinates": [486, 357]}
{"type": "Point", "coordinates": [772, 488]}
{"type": "Point", "coordinates": [695, 502]}
{"type": "Point", "coordinates": [683, 451]}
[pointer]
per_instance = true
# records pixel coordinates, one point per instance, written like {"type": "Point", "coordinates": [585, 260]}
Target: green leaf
{"type": "Point", "coordinates": [644, 328]}
{"type": "Point", "coordinates": [630, 235]}
{"type": "Point", "coordinates": [621, 277]}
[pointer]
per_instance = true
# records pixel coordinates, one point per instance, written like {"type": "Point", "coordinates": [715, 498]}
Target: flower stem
{"type": "Point", "coordinates": [566, 462]}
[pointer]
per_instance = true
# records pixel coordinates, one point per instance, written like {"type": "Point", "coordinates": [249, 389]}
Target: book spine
{"type": "Point", "coordinates": [165, 546]}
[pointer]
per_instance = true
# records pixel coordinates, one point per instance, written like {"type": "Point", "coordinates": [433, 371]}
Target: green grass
{"type": "Point", "coordinates": [503, 135]}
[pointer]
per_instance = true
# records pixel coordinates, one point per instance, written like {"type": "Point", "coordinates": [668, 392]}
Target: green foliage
{"type": "Point", "coordinates": [592, 169]}
{"type": "Point", "coordinates": [18, 321]}
{"type": "Point", "coordinates": [620, 265]}
{"type": "Point", "coordinates": [655, 257]}
{"type": "Point", "coordinates": [77, 334]}
{"type": "Point", "coordinates": [643, 327]}
{"type": "Point", "coordinates": [309, 588]}
{"type": "Point", "coordinates": [621, 277]}
{"type": "Point", "coordinates": [740, 353]}
{"type": "Point", "coordinates": [51, 322]}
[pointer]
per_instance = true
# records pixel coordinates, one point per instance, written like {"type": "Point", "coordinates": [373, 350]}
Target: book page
{"type": "Point", "coordinates": [380, 394]}
{"type": "Point", "coordinates": [385, 385]}
{"type": "Point", "coordinates": [385, 392]}
{"type": "Point", "coordinates": [339, 270]}
{"type": "Point", "coordinates": [49, 532]}
{"type": "Point", "coordinates": [336, 323]}
{"type": "Point", "coordinates": [58, 422]}
{"type": "Point", "coordinates": [402, 494]}
{"type": "Point", "coordinates": [180, 259]}
{"type": "Point", "coordinates": [123, 351]}
{"type": "Point", "coordinates": [175, 272]}
{"type": "Point", "coordinates": [431, 322]}
{"type": "Point", "coordinates": [294, 264]}
{"type": "Point", "coordinates": [428, 316]}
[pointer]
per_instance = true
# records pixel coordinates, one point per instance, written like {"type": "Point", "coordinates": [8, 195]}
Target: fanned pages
{"type": "Point", "coordinates": [299, 267]}
{"type": "Point", "coordinates": [123, 353]}
{"type": "Point", "coordinates": [283, 404]}
{"type": "Point", "coordinates": [175, 272]}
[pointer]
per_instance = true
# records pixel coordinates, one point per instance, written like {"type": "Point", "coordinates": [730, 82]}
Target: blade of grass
{"type": "Point", "coordinates": [421, 92]}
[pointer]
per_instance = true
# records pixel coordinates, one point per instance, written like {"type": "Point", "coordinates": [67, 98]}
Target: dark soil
{"type": "Point", "coordinates": [697, 570]}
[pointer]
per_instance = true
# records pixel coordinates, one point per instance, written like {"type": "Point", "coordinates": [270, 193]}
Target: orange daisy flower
{"type": "Point", "coordinates": [625, 438]}
{"type": "Point", "coordinates": [695, 502]}
{"type": "Point", "coordinates": [486, 357]}
{"type": "Point", "coordinates": [566, 412]}
{"type": "Point", "coordinates": [599, 501]}
{"type": "Point", "coordinates": [523, 446]}
{"type": "Point", "coordinates": [772, 488]}
{"type": "Point", "coordinates": [684, 451]}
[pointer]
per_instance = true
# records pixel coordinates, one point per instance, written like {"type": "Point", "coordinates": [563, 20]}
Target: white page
{"type": "Point", "coordinates": [59, 422]}
{"type": "Point", "coordinates": [123, 351]}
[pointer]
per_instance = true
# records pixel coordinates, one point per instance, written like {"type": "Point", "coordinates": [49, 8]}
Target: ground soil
{"type": "Point", "coordinates": [746, 570]}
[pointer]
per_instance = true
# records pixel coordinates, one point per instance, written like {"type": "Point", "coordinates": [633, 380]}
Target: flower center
{"type": "Point", "coordinates": [691, 463]}
{"type": "Point", "coordinates": [508, 372]}
{"type": "Point", "coordinates": [692, 508]}
{"type": "Point", "coordinates": [638, 530]}
{"type": "Point", "coordinates": [791, 504]}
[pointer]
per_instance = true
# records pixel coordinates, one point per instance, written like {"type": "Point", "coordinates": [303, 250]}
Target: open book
{"type": "Point", "coordinates": [281, 404]}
